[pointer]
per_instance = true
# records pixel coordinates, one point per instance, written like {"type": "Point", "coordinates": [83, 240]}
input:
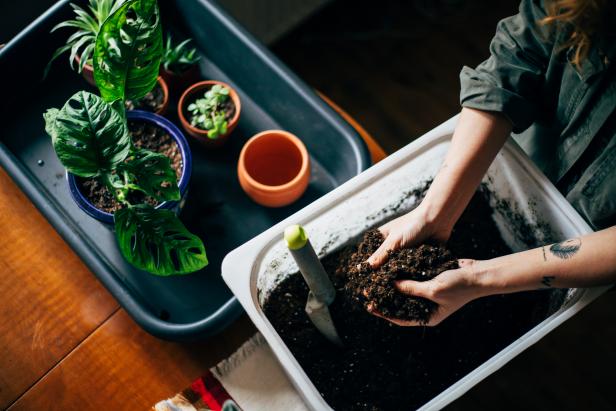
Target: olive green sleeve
{"type": "Point", "coordinates": [511, 79]}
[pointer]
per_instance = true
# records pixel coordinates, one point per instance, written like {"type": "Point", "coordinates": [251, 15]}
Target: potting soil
{"type": "Point", "coordinates": [386, 367]}
{"type": "Point", "coordinates": [152, 101]}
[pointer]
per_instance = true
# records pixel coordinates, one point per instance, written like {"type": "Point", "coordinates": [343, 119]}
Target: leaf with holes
{"type": "Point", "coordinates": [89, 136]}
{"type": "Point", "coordinates": [152, 173]}
{"type": "Point", "coordinates": [128, 51]}
{"type": "Point", "coordinates": [156, 241]}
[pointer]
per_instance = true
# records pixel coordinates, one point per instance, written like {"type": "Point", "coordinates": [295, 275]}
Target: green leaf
{"type": "Point", "coordinates": [152, 173]}
{"type": "Point", "coordinates": [88, 135]}
{"type": "Point", "coordinates": [180, 57]}
{"type": "Point", "coordinates": [128, 50]}
{"type": "Point", "coordinates": [50, 120]}
{"type": "Point", "coordinates": [87, 26]}
{"type": "Point", "coordinates": [156, 241]}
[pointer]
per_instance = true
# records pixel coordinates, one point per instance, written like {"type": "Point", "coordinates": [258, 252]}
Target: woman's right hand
{"type": "Point", "coordinates": [412, 228]}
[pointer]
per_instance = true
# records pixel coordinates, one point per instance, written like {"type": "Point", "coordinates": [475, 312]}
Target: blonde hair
{"type": "Point", "coordinates": [587, 19]}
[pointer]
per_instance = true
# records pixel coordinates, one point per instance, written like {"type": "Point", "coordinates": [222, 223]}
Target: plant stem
{"type": "Point", "coordinates": [119, 193]}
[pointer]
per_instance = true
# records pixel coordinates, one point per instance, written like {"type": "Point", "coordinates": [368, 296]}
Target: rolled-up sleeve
{"type": "Point", "coordinates": [510, 81]}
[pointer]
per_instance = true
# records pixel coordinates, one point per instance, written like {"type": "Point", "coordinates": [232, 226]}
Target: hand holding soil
{"type": "Point", "coordinates": [405, 231]}
{"type": "Point", "coordinates": [451, 290]}
{"type": "Point", "coordinates": [378, 289]}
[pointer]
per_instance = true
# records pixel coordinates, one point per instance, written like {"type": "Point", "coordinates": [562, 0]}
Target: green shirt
{"type": "Point", "coordinates": [563, 117]}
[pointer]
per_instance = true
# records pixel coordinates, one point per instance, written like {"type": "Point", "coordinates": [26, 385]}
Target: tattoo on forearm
{"type": "Point", "coordinates": [566, 249]}
{"type": "Point", "coordinates": [547, 280]}
{"type": "Point", "coordinates": [544, 257]}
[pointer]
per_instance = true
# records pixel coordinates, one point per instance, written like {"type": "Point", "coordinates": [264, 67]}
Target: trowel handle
{"type": "Point", "coordinates": [309, 264]}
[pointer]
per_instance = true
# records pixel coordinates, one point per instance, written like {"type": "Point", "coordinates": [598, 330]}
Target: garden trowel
{"type": "Point", "coordinates": [322, 291]}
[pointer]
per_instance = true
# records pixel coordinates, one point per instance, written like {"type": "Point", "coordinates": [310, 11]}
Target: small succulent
{"type": "Point", "coordinates": [180, 57]}
{"type": "Point", "coordinates": [81, 43]}
{"type": "Point", "coordinates": [207, 112]}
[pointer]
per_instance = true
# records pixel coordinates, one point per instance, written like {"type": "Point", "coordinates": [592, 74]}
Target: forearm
{"type": "Point", "coordinates": [586, 261]}
{"type": "Point", "coordinates": [478, 137]}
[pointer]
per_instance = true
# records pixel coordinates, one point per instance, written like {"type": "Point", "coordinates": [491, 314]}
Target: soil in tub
{"type": "Point", "coordinates": [386, 367]}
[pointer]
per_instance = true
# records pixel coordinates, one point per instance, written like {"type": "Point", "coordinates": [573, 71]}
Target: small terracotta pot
{"type": "Point", "coordinates": [165, 103]}
{"type": "Point", "coordinates": [177, 83]}
{"type": "Point", "coordinates": [274, 168]}
{"type": "Point", "coordinates": [196, 91]}
{"type": "Point", "coordinates": [87, 72]}
{"type": "Point", "coordinates": [163, 85]}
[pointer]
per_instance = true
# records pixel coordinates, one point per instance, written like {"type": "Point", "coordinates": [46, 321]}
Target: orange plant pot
{"type": "Point", "coordinates": [163, 85]}
{"type": "Point", "coordinates": [87, 72]}
{"type": "Point", "coordinates": [274, 168]}
{"type": "Point", "coordinates": [177, 83]}
{"type": "Point", "coordinates": [195, 91]}
{"type": "Point", "coordinates": [164, 104]}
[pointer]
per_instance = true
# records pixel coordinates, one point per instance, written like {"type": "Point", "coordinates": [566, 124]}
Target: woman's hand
{"type": "Point", "coordinates": [406, 231]}
{"type": "Point", "coordinates": [450, 290]}
{"type": "Point", "coordinates": [478, 137]}
{"type": "Point", "coordinates": [586, 261]}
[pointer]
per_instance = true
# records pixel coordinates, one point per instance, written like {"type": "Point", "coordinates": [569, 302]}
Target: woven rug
{"type": "Point", "coordinates": [250, 379]}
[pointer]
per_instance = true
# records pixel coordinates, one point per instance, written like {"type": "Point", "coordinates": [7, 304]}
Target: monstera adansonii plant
{"type": "Point", "coordinates": [91, 138]}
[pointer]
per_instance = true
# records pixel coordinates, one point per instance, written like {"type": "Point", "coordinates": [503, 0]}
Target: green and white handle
{"type": "Point", "coordinates": [322, 292]}
{"type": "Point", "coordinates": [309, 264]}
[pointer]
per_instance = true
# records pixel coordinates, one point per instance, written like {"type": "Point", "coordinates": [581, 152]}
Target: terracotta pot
{"type": "Point", "coordinates": [87, 72]}
{"type": "Point", "coordinates": [163, 85]}
{"type": "Point", "coordinates": [165, 103]}
{"type": "Point", "coordinates": [177, 83]}
{"type": "Point", "coordinates": [195, 91]}
{"type": "Point", "coordinates": [274, 168]}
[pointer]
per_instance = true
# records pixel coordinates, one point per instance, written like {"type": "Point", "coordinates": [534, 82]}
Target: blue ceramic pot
{"type": "Point", "coordinates": [179, 138]}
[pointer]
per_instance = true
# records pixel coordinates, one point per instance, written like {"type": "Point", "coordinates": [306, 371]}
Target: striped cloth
{"type": "Point", "coordinates": [204, 394]}
{"type": "Point", "coordinates": [250, 379]}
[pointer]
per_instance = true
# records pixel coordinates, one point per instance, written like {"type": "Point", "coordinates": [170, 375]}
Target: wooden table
{"type": "Point", "coordinates": [65, 344]}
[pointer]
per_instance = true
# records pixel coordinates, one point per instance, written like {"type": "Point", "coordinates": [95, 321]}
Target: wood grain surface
{"type": "Point", "coordinates": [121, 367]}
{"type": "Point", "coordinates": [50, 301]}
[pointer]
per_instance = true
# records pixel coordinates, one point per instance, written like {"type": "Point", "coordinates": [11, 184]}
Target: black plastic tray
{"type": "Point", "coordinates": [199, 304]}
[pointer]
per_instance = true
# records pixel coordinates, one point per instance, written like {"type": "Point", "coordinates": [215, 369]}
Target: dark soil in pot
{"type": "Point", "coordinates": [386, 367]}
{"type": "Point", "coordinates": [145, 135]}
{"type": "Point", "coordinates": [152, 102]}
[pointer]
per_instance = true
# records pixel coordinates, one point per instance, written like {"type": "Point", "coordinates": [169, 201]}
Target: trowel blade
{"type": "Point", "coordinates": [318, 312]}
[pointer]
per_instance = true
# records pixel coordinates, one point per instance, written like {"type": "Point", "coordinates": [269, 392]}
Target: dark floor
{"type": "Point", "coordinates": [394, 66]}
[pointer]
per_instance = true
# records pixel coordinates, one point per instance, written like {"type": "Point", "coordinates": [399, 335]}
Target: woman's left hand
{"type": "Point", "coordinates": [450, 290]}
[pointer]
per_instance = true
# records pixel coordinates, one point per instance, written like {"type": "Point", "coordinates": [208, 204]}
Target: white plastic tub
{"type": "Point", "coordinates": [257, 267]}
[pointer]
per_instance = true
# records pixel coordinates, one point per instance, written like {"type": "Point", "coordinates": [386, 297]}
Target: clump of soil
{"type": "Point", "coordinates": [375, 288]}
{"type": "Point", "coordinates": [386, 367]}
{"type": "Point", "coordinates": [144, 135]}
{"type": "Point", "coordinates": [152, 102]}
